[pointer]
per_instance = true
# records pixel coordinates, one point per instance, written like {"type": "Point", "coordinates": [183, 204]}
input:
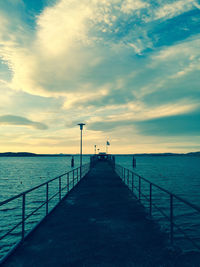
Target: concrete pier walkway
{"type": "Point", "coordinates": [100, 223]}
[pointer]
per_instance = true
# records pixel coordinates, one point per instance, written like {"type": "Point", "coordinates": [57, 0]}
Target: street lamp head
{"type": "Point", "coordinates": [81, 125]}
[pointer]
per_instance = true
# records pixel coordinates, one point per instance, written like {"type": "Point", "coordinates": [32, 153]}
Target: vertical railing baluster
{"type": "Point", "coordinates": [132, 181]}
{"type": "Point", "coordinates": [47, 198]}
{"type": "Point", "coordinates": [80, 172]}
{"type": "Point", "coordinates": [68, 182]}
{"type": "Point", "coordinates": [171, 219]}
{"type": "Point", "coordinates": [150, 199]}
{"type": "Point", "coordinates": [59, 188]}
{"type": "Point", "coordinates": [124, 175]}
{"type": "Point", "coordinates": [23, 215]}
{"type": "Point", "coordinates": [139, 188]}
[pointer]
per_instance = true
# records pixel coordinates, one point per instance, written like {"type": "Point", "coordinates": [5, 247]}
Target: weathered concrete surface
{"type": "Point", "coordinates": [100, 223]}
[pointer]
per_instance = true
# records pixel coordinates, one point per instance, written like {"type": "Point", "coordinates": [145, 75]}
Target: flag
{"type": "Point", "coordinates": [107, 143]}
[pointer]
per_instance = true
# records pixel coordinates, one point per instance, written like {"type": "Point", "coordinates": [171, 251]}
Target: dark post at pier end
{"type": "Point", "coordinates": [81, 143]}
{"type": "Point", "coordinates": [72, 161]}
{"type": "Point", "coordinates": [134, 162]}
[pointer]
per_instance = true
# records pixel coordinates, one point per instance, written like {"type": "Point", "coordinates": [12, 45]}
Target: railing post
{"type": "Point", "coordinates": [171, 220]}
{"type": "Point", "coordinates": [68, 182]}
{"type": "Point", "coordinates": [137, 183]}
{"type": "Point", "coordinates": [150, 199]}
{"type": "Point", "coordinates": [132, 181]}
{"type": "Point", "coordinates": [128, 178]}
{"type": "Point", "coordinates": [139, 187]}
{"type": "Point", "coordinates": [47, 198]}
{"type": "Point", "coordinates": [23, 215]}
{"type": "Point", "coordinates": [59, 188]}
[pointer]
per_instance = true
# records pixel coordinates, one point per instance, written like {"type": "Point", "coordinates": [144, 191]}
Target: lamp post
{"type": "Point", "coordinates": [81, 143]}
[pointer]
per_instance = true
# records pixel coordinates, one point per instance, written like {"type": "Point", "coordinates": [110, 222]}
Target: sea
{"type": "Point", "coordinates": [178, 174]}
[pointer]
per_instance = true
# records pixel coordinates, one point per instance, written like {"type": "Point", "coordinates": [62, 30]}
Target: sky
{"type": "Point", "coordinates": [128, 69]}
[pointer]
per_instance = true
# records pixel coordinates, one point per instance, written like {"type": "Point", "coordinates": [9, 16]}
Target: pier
{"type": "Point", "coordinates": [98, 223]}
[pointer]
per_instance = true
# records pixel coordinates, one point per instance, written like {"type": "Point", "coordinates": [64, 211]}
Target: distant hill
{"type": "Point", "coordinates": [169, 154]}
{"type": "Point", "coordinates": [194, 154]}
{"type": "Point", "coordinates": [163, 154]}
{"type": "Point", "coordinates": [27, 154]}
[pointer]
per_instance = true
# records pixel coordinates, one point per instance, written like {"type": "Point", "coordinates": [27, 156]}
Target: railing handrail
{"type": "Point", "coordinates": [194, 206]}
{"type": "Point", "coordinates": [37, 186]}
{"type": "Point", "coordinates": [78, 174]}
{"type": "Point", "coordinates": [125, 176]}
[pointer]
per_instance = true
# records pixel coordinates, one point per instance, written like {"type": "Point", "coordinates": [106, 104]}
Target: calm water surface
{"type": "Point", "coordinates": [18, 174]}
{"type": "Point", "coordinates": [181, 176]}
{"type": "Point", "coordinates": [178, 174]}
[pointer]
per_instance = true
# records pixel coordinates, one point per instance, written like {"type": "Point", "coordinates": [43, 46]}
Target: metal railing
{"type": "Point", "coordinates": [136, 182]}
{"type": "Point", "coordinates": [66, 182]}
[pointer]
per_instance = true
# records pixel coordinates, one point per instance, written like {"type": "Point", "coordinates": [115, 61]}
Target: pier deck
{"type": "Point", "coordinates": [99, 223]}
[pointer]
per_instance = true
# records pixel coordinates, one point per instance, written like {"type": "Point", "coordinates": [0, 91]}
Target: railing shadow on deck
{"type": "Point", "coordinates": [144, 190]}
{"type": "Point", "coordinates": [65, 183]}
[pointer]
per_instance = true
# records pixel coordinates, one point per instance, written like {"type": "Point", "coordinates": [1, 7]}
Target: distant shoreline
{"type": "Point", "coordinates": [27, 154]}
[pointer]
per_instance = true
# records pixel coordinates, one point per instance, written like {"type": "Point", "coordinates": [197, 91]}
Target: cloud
{"type": "Point", "coordinates": [128, 6]}
{"type": "Point", "coordinates": [189, 146]}
{"type": "Point", "coordinates": [108, 125]}
{"type": "Point", "coordinates": [179, 125]}
{"type": "Point", "coordinates": [108, 63]}
{"type": "Point", "coordinates": [140, 114]}
{"type": "Point", "coordinates": [89, 46]}
{"type": "Point", "coordinates": [47, 62]}
{"type": "Point", "coordinates": [173, 9]}
{"type": "Point", "coordinates": [21, 121]}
